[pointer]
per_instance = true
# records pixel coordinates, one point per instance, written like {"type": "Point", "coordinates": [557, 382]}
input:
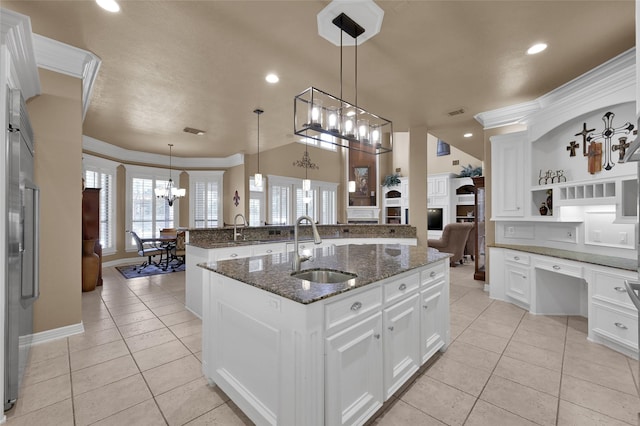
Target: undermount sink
{"type": "Point", "coordinates": [326, 276]}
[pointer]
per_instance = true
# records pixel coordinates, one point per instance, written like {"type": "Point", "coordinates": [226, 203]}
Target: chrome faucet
{"type": "Point", "coordinates": [297, 259]}
{"type": "Point", "coordinates": [237, 234]}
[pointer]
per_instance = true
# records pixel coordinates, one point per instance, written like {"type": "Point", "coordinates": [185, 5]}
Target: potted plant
{"type": "Point", "coordinates": [391, 180]}
{"type": "Point", "coordinates": [470, 171]}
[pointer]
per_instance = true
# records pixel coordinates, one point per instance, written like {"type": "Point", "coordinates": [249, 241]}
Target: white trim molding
{"type": "Point", "coordinates": [16, 35]}
{"type": "Point", "coordinates": [97, 146]}
{"type": "Point", "coordinates": [66, 59]}
{"type": "Point", "coordinates": [611, 83]}
{"type": "Point", "coordinates": [56, 333]}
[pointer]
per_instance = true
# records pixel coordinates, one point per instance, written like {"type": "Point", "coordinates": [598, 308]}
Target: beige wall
{"type": "Point", "coordinates": [418, 158]}
{"type": "Point", "coordinates": [444, 164]}
{"type": "Point", "coordinates": [56, 116]}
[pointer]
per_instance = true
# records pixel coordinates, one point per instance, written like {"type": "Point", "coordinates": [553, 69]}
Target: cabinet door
{"type": "Point", "coordinates": [401, 343]}
{"type": "Point", "coordinates": [517, 283]}
{"type": "Point", "coordinates": [432, 326]}
{"type": "Point", "coordinates": [507, 177]}
{"type": "Point", "coordinates": [353, 373]}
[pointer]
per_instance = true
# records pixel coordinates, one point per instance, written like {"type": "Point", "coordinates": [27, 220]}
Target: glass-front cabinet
{"type": "Point", "coordinates": [479, 229]}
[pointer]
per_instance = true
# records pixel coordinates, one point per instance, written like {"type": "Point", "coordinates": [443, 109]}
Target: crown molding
{"type": "Point", "coordinates": [610, 83]}
{"type": "Point", "coordinates": [126, 156]}
{"type": "Point", "coordinates": [16, 35]}
{"type": "Point", "coordinates": [69, 60]}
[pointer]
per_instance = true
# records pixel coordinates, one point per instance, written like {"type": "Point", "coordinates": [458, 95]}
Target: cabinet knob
{"type": "Point", "coordinates": [402, 287]}
{"type": "Point", "coordinates": [425, 306]}
{"type": "Point", "coordinates": [390, 328]}
{"type": "Point", "coordinates": [620, 325]}
{"type": "Point", "coordinates": [516, 257]}
{"type": "Point", "coordinates": [620, 289]}
{"type": "Point", "coordinates": [556, 267]}
{"type": "Point", "coordinates": [269, 251]}
{"type": "Point", "coordinates": [377, 336]}
{"type": "Point", "coordinates": [234, 255]}
{"type": "Point", "coordinates": [356, 306]}
{"type": "Point", "coordinates": [432, 274]}
{"type": "Point", "coordinates": [524, 276]}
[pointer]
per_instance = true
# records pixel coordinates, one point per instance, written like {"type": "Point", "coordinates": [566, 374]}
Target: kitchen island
{"type": "Point", "coordinates": [294, 352]}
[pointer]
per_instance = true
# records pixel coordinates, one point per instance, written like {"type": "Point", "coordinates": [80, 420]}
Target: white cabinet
{"type": "Point", "coordinates": [507, 174]}
{"type": "Point", "coordinates": [395, 203]}
{"type": "Point", "coordinates": [438, 185]}
{"type": "Point", "coordinates": [401, 343]}
{"type": "Point", "coordinates": [518, 287]}
{"type": "Point", "coordinates": [353, 373]}
{"type": "Point", "coordinates": [232, 252]}
{"type": "Point", "coordinates": [432, 327]}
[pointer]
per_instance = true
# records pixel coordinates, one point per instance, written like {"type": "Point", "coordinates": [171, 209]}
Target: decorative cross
{"type": "Point", "coordinates": [584, 133]}
{"type": "Point", "coordinates": [572, 147]}
{"type": "Point", "coordinates": [608, 132]}
{"type": "Point", "coordinates": [621, 147]}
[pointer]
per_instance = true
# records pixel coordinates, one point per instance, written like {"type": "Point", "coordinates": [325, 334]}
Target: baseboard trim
{"type": "Point", "coordinates": [56, 333]}
{"type": "Point", "coordinates": [123, 261]}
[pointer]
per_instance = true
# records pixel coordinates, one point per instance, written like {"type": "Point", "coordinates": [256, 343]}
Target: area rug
{"type": "Point", "coordinates": [129, 272]}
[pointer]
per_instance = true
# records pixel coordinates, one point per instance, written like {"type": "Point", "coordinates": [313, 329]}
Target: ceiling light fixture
{"type": "Point", "coordinates": [536, 48]}
{"type": "Point", "coordinates": [467, 135]}
{"type": "Point", "coordinates": [272, 78]}
{"type": "Point", "coordinates": [306, 182]}
{"type": "Point", "coordinates": [327, 118]}
{"type": "Point", "coordinates": [257, 178]}
{"type": "Point", "coordinates": [170, 192]}
{"type": "Point", "coordinates": [109, 5]}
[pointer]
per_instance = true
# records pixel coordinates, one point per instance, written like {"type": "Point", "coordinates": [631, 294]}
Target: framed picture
{"type": "Point", "coordinates": [361, 175]}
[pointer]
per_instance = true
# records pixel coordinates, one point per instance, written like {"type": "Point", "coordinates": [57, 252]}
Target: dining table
{"type": "Point", "coordinates": [163, 241]}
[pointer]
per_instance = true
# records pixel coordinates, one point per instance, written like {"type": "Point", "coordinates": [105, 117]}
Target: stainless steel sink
{"type": "Point", "coordinates": [325, 276]}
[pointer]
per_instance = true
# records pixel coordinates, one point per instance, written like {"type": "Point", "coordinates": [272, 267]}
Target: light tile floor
{"type": "Point", "coordinates": [138, 363]}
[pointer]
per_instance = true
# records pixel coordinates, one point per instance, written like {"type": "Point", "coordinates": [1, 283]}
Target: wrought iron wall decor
{"type": "Point", "coordinates": [596, 143]}
{"type": "Point", "coordinates": [306, 162]}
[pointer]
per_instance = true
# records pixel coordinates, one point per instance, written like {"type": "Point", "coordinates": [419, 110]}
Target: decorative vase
{"type": "Point", "coordinates": [550, 203]}
{"type": "Point", "coordinates": [543, 209]}
{"type": "Point", "coordinates": [90, 265]}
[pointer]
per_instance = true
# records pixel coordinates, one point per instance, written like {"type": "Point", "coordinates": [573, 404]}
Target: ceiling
{"type": "Point", "coordinates": [167, 65]}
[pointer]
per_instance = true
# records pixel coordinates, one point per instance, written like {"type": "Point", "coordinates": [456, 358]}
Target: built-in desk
{"type": "Point", "coordinates": [559, 282]}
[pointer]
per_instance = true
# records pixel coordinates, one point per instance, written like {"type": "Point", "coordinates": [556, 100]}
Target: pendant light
{"type": "Point", "coordinates": [257, 178]}
{"type": "Point", "coordinates": [326, 118]}
{"type": "Point", "coordinates": [170, 192]}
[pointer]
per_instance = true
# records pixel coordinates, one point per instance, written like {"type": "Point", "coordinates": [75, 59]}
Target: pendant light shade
{"type": "Point", "coordinates": [170, 192]}
{"type": "Point", "coordinates": [257, 178]}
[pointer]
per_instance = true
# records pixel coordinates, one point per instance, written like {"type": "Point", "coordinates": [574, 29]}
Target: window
{"type": "Point", "coordinates": [256, 203]}
{"type": "Point", "coordinates": [147, 214]}
{"type": "Point", "coordinates": [205, 199]}
{"type": "Point", "coordinates": [286, 200]}
{"type": "Point", "coordinates": [328, 145]}
{"type": "Point", "coordinates": [101, 173]}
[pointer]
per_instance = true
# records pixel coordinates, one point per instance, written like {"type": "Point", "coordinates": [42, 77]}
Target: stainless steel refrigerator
{"type": "Point", "coordinates": [22, 216]}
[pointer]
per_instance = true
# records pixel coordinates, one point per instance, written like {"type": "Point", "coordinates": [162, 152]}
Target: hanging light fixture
{"type": "Point", "coordinates": [306, 182]}
{"type": "Point", "coordinates": [257, 178]}
{"type": "Point", "coordinates": [170, 192]}
{"type": "Point", "coordinates": [326, 118]}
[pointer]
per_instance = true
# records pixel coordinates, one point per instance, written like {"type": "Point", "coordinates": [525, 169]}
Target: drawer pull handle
{"type": "Point", "coordinates": [556, 267]}
{"type": "Point", "coordinates": [432, 274]}
{"type": "Point", "coordinates": [356, 306]}
{"type": "Point", "coordinates": [425, 306]}
{"type": "Point", "coordinates": [269, 251]}
{"type": "Point", "coordinates": [402, 287]}
{"type": "Point", "coordinates": [516, 257]}
{"type": "Point", "coordinates": [620, 289]}
{"type": "Point", "coordinates": [524, 277]}
{"type": "Point", "coordinates": [234, 255]}
{"type": "Point", "coordinates": [620, 325]}
{"type": "Point", "coordinates": [377, 336]}
{"type": "Point", "coordinates": [391, 328]}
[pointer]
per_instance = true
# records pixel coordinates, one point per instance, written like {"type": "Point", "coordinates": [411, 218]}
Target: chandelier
{"type": "Point", "coordinates": [327, 118]}
{"type": "Point", "coordinates": [170, 192]}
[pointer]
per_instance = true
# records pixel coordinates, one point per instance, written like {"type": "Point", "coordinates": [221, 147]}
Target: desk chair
{"type": "Point", "coordinates": [147, 250]}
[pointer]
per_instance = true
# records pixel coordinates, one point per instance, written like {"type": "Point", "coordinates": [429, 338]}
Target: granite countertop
{"type": "Point", "coordinates": [371, 262]}
{"type": "Point", "coordinates": [596, 259]}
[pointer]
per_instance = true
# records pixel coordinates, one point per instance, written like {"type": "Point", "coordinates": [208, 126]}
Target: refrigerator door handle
{"type": "Point", "coordinates": [632, 289]}
{"type": "Point", "coordinates": [35, 288]}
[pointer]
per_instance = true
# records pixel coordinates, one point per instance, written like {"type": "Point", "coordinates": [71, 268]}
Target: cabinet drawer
{"type": "Point", "coordinates": [399, 287]}
{"type": "Point", "coordinates": [339, 314]}
{"type": "Point", "coordinates": [610, 287]}
{"type": "Point", "coordinates": [233, 253]}
{"type": "Point", "coordinates": [616, 325]}
{"type": "Point", "coordinates": [432, 275]}
{"type": "Point", "coordinates": [560, 267]}
{"type": "Point", "coordinates": [517, 257]}
{"type": "Point", "coordinates": [262, 249]}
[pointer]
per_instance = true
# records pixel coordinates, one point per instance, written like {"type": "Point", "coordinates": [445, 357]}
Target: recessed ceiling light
{"type": "Point", "coordinates": [272, 78]}
{"type": "Point", "coordinates": [109, 5]}
{"type": "Point", "coordinates": [536, 48]}
{"type": "Point", "coordinates": [468, 135]}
